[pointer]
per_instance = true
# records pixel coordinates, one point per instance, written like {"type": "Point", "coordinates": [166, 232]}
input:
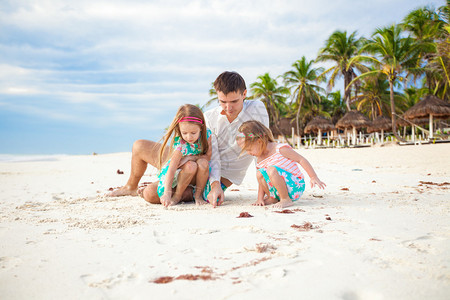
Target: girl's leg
{"type": "Point", "coordinates": [280, 185]}
{"type": "Point", "coordinates": [200, 180]}
{"type": "Point", "coordinates": [188, 171]}
{"type": "Point", "coordinates": [264, 193]}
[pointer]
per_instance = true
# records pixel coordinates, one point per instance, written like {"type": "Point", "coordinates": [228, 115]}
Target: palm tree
{"type": "Point", "coordinates": [340, 48]}
{"type": "Point", "coordinates": [441, 60]}
{"type": "Point", "coordinates": [394, 56]}
{"type": "Point", "coordinates": [213, 97]}
{"type": "Point", "coordinates": [423, 23]}
{"type": "Point", "coordinates": [374, 97]}
{"type": "Point", "coordinates": [412, 95]}
{"type": "Point", "coordinates": [301, 81]}
{"type": "Point", "coordinates": [273, 96]}
{"type": "Point", "coordinates": [425, 26]}
{"type": "Point", "coordinates": [334, 105]}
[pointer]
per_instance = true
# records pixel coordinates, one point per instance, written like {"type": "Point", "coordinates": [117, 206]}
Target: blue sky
{"type": "Point", "coordinates": [86, 76]}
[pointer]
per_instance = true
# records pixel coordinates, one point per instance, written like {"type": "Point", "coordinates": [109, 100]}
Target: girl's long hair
{"type": "Point", "coordinates": [186, 110]}
{"type": "Point", "coordinates": [255, 131]}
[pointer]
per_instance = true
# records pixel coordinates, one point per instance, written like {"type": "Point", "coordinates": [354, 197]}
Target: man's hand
{"type": "Point", "coordinates": [216, 196]}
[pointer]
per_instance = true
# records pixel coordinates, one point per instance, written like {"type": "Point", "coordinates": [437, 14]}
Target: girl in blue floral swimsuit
{"type": "Point", "coordinates": [189, 157]}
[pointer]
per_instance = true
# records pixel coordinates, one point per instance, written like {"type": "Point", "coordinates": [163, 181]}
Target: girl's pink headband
{"type": "Point", "coordinates": [191, 119]}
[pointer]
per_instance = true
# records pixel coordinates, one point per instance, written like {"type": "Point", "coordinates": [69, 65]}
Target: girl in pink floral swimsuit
{"type": "Point", "coordinates": [279, 178]}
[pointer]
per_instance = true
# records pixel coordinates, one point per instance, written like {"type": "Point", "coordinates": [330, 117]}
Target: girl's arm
{"type": "Point", "coordinates": [207, 155]}
{"type": "Point", "coordinates": [292, 155]}
{"type": "Point", "coordinates": [173, 165]}
{"type": "Point", "coordinates": [261, 194]}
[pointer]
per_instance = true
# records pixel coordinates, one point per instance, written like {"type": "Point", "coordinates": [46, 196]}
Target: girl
{"type": "Point", "coordinates": [279, 176]}
{"type": "Point", "coordinates": [191, 138]}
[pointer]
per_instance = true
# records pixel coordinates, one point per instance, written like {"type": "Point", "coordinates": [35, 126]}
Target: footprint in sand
{"type": "Point", "coordinates": [271, 273]}
{"type": "Point", "coordinates": [58, 196]}
{"type": "Point", "coordinates": [99, 281]}
{"type": "Point", "coordinates": [422, 244]}
{"type": "Point", "coordinates": [9, 262]}
{"type": "Point", "coordinates": [202, 231]}
{"type": "Point", "coordinates": [157, 236]}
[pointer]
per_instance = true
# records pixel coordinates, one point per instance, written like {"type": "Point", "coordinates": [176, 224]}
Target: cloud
{"type": "Point", "coordinates": [123, 61]}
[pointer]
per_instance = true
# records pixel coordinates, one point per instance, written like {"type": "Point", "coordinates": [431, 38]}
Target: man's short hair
{"type": "Point", "coordinates": [229, 82]}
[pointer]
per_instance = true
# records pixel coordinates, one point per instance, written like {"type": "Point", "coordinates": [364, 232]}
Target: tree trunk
{"type": "Point", "coordinates": [272, 113]}
{"type": "Point", "coordinates": [298, 114]}
{"type": "Point", "coordinates": [285, 137]}
{"type": "Point", "coordinates": [394, 121]}
{"type": "Point", "coordinates": [347, 91]}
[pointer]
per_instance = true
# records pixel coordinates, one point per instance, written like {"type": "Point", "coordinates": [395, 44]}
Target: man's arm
{"type": "Point", "coordinates": [260, 114]}
{"type": "Point", "coordinates": [214, 175]}
{"type": "Point", "coordinates": [214, 163]}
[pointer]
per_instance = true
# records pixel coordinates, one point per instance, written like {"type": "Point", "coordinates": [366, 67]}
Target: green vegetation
{"type": "Point", "coordinates": [384, 74]}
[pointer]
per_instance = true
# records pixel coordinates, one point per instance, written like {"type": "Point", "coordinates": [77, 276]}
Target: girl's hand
{"type": "Point", "coordinates": [259, 202]}
{"type": "Point", "coordinates": [316, 181]}
{"type": "Point", "coordinates": [187, 158]}
{"type": "Point", "coordinates": [165, 199]}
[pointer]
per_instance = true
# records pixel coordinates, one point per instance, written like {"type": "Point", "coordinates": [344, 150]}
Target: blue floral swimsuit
{"type": "Point", "coordinates": [186, 149]}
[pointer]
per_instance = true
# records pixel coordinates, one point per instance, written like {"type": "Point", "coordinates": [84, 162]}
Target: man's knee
{"type": "Point", "coordinates": [151, 194]}
{"type": "Point", "coordinates": [139, 146]}
{"type": "Point", "coordinates": [202, 164]}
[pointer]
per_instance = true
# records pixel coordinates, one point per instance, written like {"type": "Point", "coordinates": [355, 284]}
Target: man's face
{"type": "Point", "coordinates": [231, 103]}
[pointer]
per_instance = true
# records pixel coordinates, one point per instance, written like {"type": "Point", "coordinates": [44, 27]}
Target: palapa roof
{"type": "Point", "coordinates": [380, 123]}
{"type": "Point", "coordinates": [417, 121]}
{"type": "Point", "coordinates": [430, 105]}
{"type": "Point", "coordinates": [317, 123]}
{"type": "Point", "coordinates": [286, 125]}
{"type": "Point", "coordinates": [353, 118]}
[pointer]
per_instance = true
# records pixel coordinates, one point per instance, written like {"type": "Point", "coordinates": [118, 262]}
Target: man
{"type": "Point", "coordinates": [228, 164]}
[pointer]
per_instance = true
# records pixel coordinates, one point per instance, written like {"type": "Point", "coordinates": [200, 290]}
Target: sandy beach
{"type": "Point", "coordinates": [381, 230]}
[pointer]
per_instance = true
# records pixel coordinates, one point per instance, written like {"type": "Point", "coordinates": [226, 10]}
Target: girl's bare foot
{"type": "Point", "coordinates": [140, 192]}
{"type": "Point", "coordinates": [199, 200]}
{"type": "Point", "coordinates": [123, 191]}
{"type": "Point", "coordinates": [283, 203]}
{"type": "Point", "coordinates": [175, 200]}
{"type": "Point", "coordinates": [270, 200]}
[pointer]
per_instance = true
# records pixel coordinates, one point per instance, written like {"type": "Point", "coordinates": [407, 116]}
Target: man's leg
{"type": "Point", "coordinates": [150, 193]}
{"type": "Point", "coordinates": [144, 152]}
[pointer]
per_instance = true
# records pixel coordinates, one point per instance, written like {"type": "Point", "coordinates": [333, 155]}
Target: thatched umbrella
{"type": "Point", "coordinates": [286, 126]}
{"type": "Point", "coordinates": [380, 123]}
{"type": "Point", "coordinates": [319, 124]}
{"type": "Point", "coordinates": [431, 106]}
{"type": "Point", "coordinates": [353, 119]}
{"type": "Point", "coordinates": [412, 123]}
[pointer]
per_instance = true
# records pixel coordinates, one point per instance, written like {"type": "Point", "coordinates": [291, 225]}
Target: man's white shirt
{"type": "Point", "coordinates": [227, 158]}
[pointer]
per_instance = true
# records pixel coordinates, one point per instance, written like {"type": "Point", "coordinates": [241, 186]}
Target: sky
{"type": "Point", "coordinates": [84, 76]}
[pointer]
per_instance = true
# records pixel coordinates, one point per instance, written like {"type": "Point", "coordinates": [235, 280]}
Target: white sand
{"type": "Point", "coordinates": [388, 237]}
